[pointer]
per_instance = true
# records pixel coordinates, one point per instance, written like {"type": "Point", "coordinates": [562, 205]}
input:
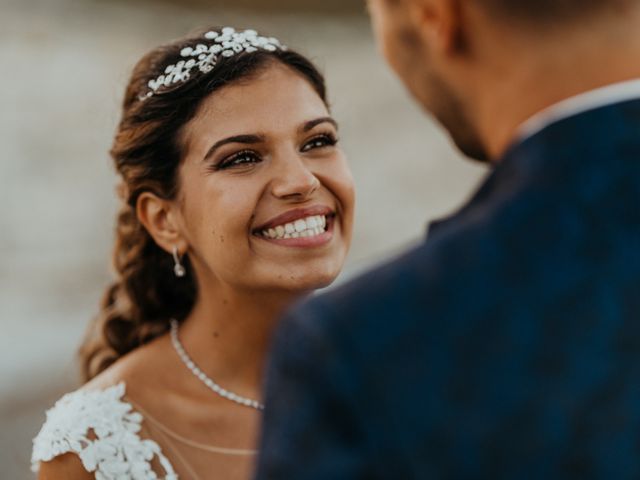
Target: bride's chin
{"type": "Point", "coordinates": [316, 282]}
{"type": "Point", "coordinates": [297, 277]}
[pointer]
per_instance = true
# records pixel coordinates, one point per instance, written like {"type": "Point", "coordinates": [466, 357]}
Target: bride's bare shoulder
{"type": "Point", "coordinates": [137, 369]}
{"type": "Point", "coordinates": [68, 466]}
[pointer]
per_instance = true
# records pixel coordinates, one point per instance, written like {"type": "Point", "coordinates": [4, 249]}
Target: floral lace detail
{"type": "Point", "coordinates": [102, 430]}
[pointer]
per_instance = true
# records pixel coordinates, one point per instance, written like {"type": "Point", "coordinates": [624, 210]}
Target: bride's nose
{"type": "Point", "coordinates": [293, 179]}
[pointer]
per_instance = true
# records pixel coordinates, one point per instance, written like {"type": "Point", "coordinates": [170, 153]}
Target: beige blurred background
{"type": "Point", "coordinates": [64, 67]}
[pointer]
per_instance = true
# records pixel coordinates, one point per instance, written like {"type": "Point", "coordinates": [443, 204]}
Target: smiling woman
{"type": "Point", "coordinates": [237, 200]}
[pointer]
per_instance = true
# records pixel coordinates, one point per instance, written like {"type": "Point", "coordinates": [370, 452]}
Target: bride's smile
{"type": "Point", "coordinates": [308, 227]}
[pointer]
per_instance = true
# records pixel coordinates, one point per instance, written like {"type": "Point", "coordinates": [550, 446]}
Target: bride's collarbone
{"type": "Point", "coordinates": [165, 391]}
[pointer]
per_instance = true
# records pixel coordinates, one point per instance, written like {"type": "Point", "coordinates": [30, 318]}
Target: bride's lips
{"type": "Point", "coordinates": [290, 217]}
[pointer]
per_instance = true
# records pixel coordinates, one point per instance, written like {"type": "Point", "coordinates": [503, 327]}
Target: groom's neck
{"type": "Point", "coordinates": [532, 73]}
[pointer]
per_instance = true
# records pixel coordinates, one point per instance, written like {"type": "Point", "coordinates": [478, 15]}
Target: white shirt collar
{"type": "Point", "coordinates": [599, 97]}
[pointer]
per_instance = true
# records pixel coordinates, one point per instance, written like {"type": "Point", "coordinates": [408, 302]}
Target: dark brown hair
{"type": "Point", "coordinates": [147, 152]}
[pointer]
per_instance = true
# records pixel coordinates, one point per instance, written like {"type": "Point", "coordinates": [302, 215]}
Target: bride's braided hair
{"type": "Point", "coordinates": [147, 152]}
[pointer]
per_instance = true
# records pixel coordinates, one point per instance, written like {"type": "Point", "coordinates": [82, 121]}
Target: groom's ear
{"type": "Point", "coordinates": [438, 23]}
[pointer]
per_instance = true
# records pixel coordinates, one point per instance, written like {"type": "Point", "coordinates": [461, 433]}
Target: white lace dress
{"type": "Point", "coordinates": [103, 430]}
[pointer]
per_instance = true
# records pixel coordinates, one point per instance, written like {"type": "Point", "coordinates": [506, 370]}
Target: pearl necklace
{"type": "Point", "coordinates": [247, 402]}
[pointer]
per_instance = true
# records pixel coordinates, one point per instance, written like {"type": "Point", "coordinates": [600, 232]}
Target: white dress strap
{"type": "Point", "coordinates": [102, 430]}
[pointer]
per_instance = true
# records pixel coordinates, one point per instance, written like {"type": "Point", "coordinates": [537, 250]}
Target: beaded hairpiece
{"type": "Point", "coordinates": [227, 43]}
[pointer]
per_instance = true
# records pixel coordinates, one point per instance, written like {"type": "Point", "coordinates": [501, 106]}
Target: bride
{"type": "Point", "coordinates": [237, 200]}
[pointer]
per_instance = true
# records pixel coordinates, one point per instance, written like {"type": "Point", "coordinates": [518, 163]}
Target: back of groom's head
{"type": "Point", "coordinates": [482, 67]}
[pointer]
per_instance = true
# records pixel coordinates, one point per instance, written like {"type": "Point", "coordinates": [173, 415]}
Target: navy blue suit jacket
{"type": "Point", "coordinates": [507, 346]}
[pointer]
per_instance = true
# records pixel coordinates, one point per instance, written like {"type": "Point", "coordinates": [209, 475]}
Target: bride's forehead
{"type": "Point", "coordinates": [275, 99]}
{"type": "Point", "coordinates": [276, 84]}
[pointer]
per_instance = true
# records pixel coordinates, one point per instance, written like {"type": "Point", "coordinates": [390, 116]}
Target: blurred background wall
{"type": "Point", "coordinates": [64, 67]}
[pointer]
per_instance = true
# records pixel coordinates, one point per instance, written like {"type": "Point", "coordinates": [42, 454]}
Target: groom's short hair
{"type": "Point", "coordinates": [550, 11]}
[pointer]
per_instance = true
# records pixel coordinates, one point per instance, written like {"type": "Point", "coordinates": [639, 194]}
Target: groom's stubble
{"type": "Point", "coordinates": [450, 111]}
{"type": "Point", "coordinates": [439, 98]}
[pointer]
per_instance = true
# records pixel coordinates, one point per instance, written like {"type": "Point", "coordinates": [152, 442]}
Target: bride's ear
{"type": "Point", "coordinates": [161, 219]}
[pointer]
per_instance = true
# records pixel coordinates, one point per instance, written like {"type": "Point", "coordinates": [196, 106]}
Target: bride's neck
{"type": "Point", "coordinates": [228, 334]}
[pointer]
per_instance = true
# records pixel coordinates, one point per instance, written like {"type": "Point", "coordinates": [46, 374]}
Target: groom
{"type": "Point", "coordinates": [508, 344]}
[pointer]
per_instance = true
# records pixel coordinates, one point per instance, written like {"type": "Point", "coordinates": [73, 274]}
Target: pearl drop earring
{"type": "Point", "coordinates": [178, 268]}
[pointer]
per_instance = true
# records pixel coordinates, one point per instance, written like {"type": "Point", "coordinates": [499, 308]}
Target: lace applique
{"type": "Point", "coordinates": [102, 430]}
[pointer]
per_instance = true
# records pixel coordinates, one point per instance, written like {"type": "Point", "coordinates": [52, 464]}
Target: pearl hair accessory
{"type": "Point", "coordinates": [204, 56]}
{"type": "Point", "coordinates": [184, 356]}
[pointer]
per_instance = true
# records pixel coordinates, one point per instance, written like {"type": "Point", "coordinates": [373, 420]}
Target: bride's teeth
{"type": "Point", "coordinates": [300, 225]}
{"type": "Point", "coordinates": [307, 227]}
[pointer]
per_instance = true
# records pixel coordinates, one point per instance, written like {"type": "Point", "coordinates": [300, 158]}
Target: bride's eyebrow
{"type": "Point", "coordinates": [247, 139]}
{"type": "Point", "coordinates": [313, 123]}
{"type": "Point", "coordinates": [253, 139]}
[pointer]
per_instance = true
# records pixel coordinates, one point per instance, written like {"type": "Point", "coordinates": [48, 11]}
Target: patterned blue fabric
{"type": "Point", "coordinates": [507, 346]}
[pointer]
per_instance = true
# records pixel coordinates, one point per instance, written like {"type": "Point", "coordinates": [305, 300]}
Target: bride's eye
{"type": "Point", "coordinates": [320, 141]}
{"type": "Point", "coordinates": [243, 158]}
